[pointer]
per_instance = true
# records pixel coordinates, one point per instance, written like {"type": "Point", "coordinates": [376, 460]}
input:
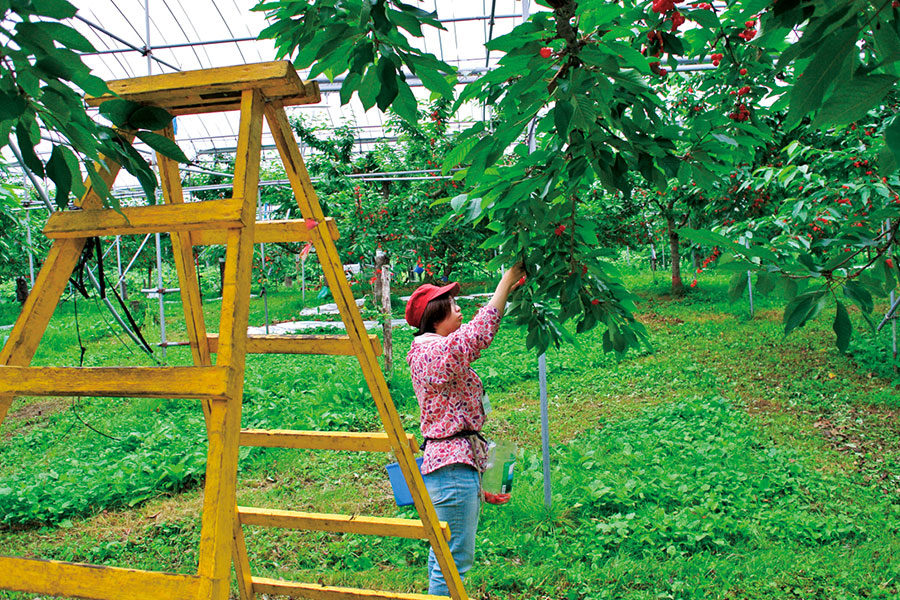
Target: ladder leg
{"type": "Point", "coordinates": [242, 562]}
{"type": "Point", "coordinates": [219, 508]}
{"type": "Point", "coordinates": [48, 288]}
{"type": "Point", "coordinates": [343, 296]}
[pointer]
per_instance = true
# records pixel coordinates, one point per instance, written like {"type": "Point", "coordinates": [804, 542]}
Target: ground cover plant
{"type": "Point", "coordinates": [729, 462]}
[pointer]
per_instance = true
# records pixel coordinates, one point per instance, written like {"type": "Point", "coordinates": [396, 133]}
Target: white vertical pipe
{"type": "Point", "coordinates": [121, 281]}
{"type": "Point", "coordinates": [147, 41]}
{"type": "Point", "coordinates": [30, 249]}
{"type": "Point", "coordinates": [28, 227]}
{"type": "Point", "coordinates": [162, 303]}
{"type": "Point", "coordinates": [749, 280]}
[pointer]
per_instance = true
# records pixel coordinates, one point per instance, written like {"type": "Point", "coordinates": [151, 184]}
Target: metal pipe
{"type": "Point", "coordinates": [120, 40]}
{"type": "Point", "coordinates": [148, 50]}
{"type": "Point", "coordinates": [545, 428]}
{"type": "Point", "coordinates": [137, 193]}
{"type": "Point", "coordinates": [131, 48]}
{"type": "Point", "coordinates": [30, 251]}
{"type": "Point", "coordinates": [171, 46]}
{"type": "Point", "coordinates": [134, 258]}
{"type": "Point", "coordinates": [120, 283]}
{"type": "Point", "coordinates": [41, 192]}
{"type": "Point", "coordinates": [162, 305]}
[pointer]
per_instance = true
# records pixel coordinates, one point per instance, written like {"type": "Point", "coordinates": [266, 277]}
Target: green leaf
{"type": "Point", "coordinates": [405, 103]}
{"type": "Point", "coordinates": [842, 327]}
{"type": "Point", "coordinates": [892, 138]}
{"type": "Point", "coordinates": [55, 9]}
{"type": "Point", "coordinates": [705, 18]}
{"type": "Point", "coordinates": [72, 163]}
{"type": "Point", "coordinates": [458, 153]}
{"type": "Point", "coordinates": [58, 171]}
{"type": "Point", "coordinates": [820, 72]}
{"type": "Point", "coordinates": [737, 285]}
{"type": "Point", "coordinates": [63, 34]}
{"type": "Point", "coordinates": [149, 117]}
{"type": "Point", "coordinates": [163, 145]}
{"type": "Point", "coordinates": [852, 100]}
{"type": "Point", "coordinates": [725, 139]}
{"type": "Point", "coordinates": [369, 87]}
{"type": "Point", "coordinates": [27, 149]}
{"type": "Point", "coordinates": [118, 111]}
{"type": "Point", "coordinates": [860, 296]}
{"type": "Point", "coordinates": [11, 106]}
{"type": "Point", "coordinates": [387, 75]}
{"type": "Point", "coordinates": [434, 81]}
{"type": "Point", "coordinates": [887, 41]}
{"type": "Point", "coordinates": [801, 309]}
{"type": "Point", "coordinates": [562, 117]}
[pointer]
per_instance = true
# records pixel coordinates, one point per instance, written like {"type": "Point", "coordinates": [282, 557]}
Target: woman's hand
{"type": "Point", "coordinates": [508, 282]}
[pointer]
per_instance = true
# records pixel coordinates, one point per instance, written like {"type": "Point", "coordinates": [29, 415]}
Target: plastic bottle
{"type": "Point", "coordinates": [501, 464]}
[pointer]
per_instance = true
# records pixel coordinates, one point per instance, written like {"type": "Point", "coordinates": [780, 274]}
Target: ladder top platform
{"type": "Point", "coordinates": [215, 90]}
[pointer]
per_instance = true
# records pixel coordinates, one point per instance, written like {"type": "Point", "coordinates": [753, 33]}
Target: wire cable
{"type": "Point", "coordinates": [227, 27]}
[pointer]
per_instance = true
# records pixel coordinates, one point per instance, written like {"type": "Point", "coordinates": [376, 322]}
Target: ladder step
{"type": "Point", "coordinates": [299, 344]}
{"type": "Point", "coordinates": [321, 440]}
{"type": "Point", "coordinates": [141, 382]}
{"type": "Point", "coordinates": [382, 526]}
{"type": "Point", "coordinates": [219, 89]}
{"type": "Point", "coordinates": [212, 214]}
{"type": "Point", "coordinates": [268, 232]}
{"type": "Point", "coordinates": [317, 591]}
{"type": "Point", "coordinates": [74, 580]}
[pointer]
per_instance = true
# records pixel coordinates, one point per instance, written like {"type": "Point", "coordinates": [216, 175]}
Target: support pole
{"type": "Point", "coordinates": [162, 297]}
{"type": "Point", "coordinates": [121, 283]}
{"type": "Point", "coordinates": [30, 249]}
{"type": "Point", "coordinates": [383, 273]}
{"type": "Point", "coordinates": [749, 279]}
{"type": "Point", "coordinates": [148, 52]}
{"type": "Point", "coordinates": [545, 428]}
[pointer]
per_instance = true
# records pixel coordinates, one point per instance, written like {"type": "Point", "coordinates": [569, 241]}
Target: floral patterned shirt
{"type": "Point", "coordinates": [449, 391]}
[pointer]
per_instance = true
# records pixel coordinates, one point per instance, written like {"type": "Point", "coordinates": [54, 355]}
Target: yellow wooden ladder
{"type": "Point", "coordinates": [260, 92]}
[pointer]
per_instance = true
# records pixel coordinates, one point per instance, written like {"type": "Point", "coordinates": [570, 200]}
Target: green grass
{"type": "Point", "coordinates": [730, 462]}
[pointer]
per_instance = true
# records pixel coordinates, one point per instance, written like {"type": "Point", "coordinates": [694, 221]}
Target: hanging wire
{"type": "Point", "coordinates": [127, 20]}
{"type": "Point", "coordinates": [247, 26]}
{"type": "Point", "coordinates": [227, 27]}
{"type": "Point", "coordinates": [125, 66]}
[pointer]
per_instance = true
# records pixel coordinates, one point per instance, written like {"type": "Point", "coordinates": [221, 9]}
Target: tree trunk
{"type": "Point", "coordinates": [675, 257]}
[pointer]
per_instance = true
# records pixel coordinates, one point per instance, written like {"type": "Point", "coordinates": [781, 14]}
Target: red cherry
{"type": "Point", "coordinates": [890, 263]}
{"type": "Point", "coordinates": [546, 52]}
{"type": "Point", "coordinates": [743, 71]}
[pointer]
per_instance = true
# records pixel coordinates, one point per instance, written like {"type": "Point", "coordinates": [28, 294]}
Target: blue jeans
{"type": "Point", "coordinates": [455, 492]}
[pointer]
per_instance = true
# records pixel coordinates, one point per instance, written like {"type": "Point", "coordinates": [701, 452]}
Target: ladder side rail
{"type": "Point", "coordinates": [334, 275]}
{"type": "Point", "coordinates": [217, 529]}
{"type": "Point", "coordinates": [51, 281]}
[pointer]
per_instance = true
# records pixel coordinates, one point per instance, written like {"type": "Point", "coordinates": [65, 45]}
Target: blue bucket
{"type": "Point", "coordinates": [401, 491]}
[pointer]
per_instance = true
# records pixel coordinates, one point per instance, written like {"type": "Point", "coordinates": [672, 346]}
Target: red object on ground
{"type": "Point", "coordinates": [496, 498]}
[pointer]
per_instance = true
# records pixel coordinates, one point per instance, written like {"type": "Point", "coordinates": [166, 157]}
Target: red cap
{"type": "Point", "coordinates": [420, 298]}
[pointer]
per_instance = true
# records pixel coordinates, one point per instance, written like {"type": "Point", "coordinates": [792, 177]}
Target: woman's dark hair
{"type": "Point", "coordinates": [436, 311]}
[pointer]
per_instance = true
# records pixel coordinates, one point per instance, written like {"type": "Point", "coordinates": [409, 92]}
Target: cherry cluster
{"type": "Point", "coordinates": [663, 6]}
{"type": "Point", "coordinates": [740, 113]}
{"type": "Point", "coordinates": [560, 229]}
{"type": "Point", "coordinates": [749, 31]}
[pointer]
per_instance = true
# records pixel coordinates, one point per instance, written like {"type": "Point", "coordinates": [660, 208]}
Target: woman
{"type": "Point", "coordinates": [453, 408]}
